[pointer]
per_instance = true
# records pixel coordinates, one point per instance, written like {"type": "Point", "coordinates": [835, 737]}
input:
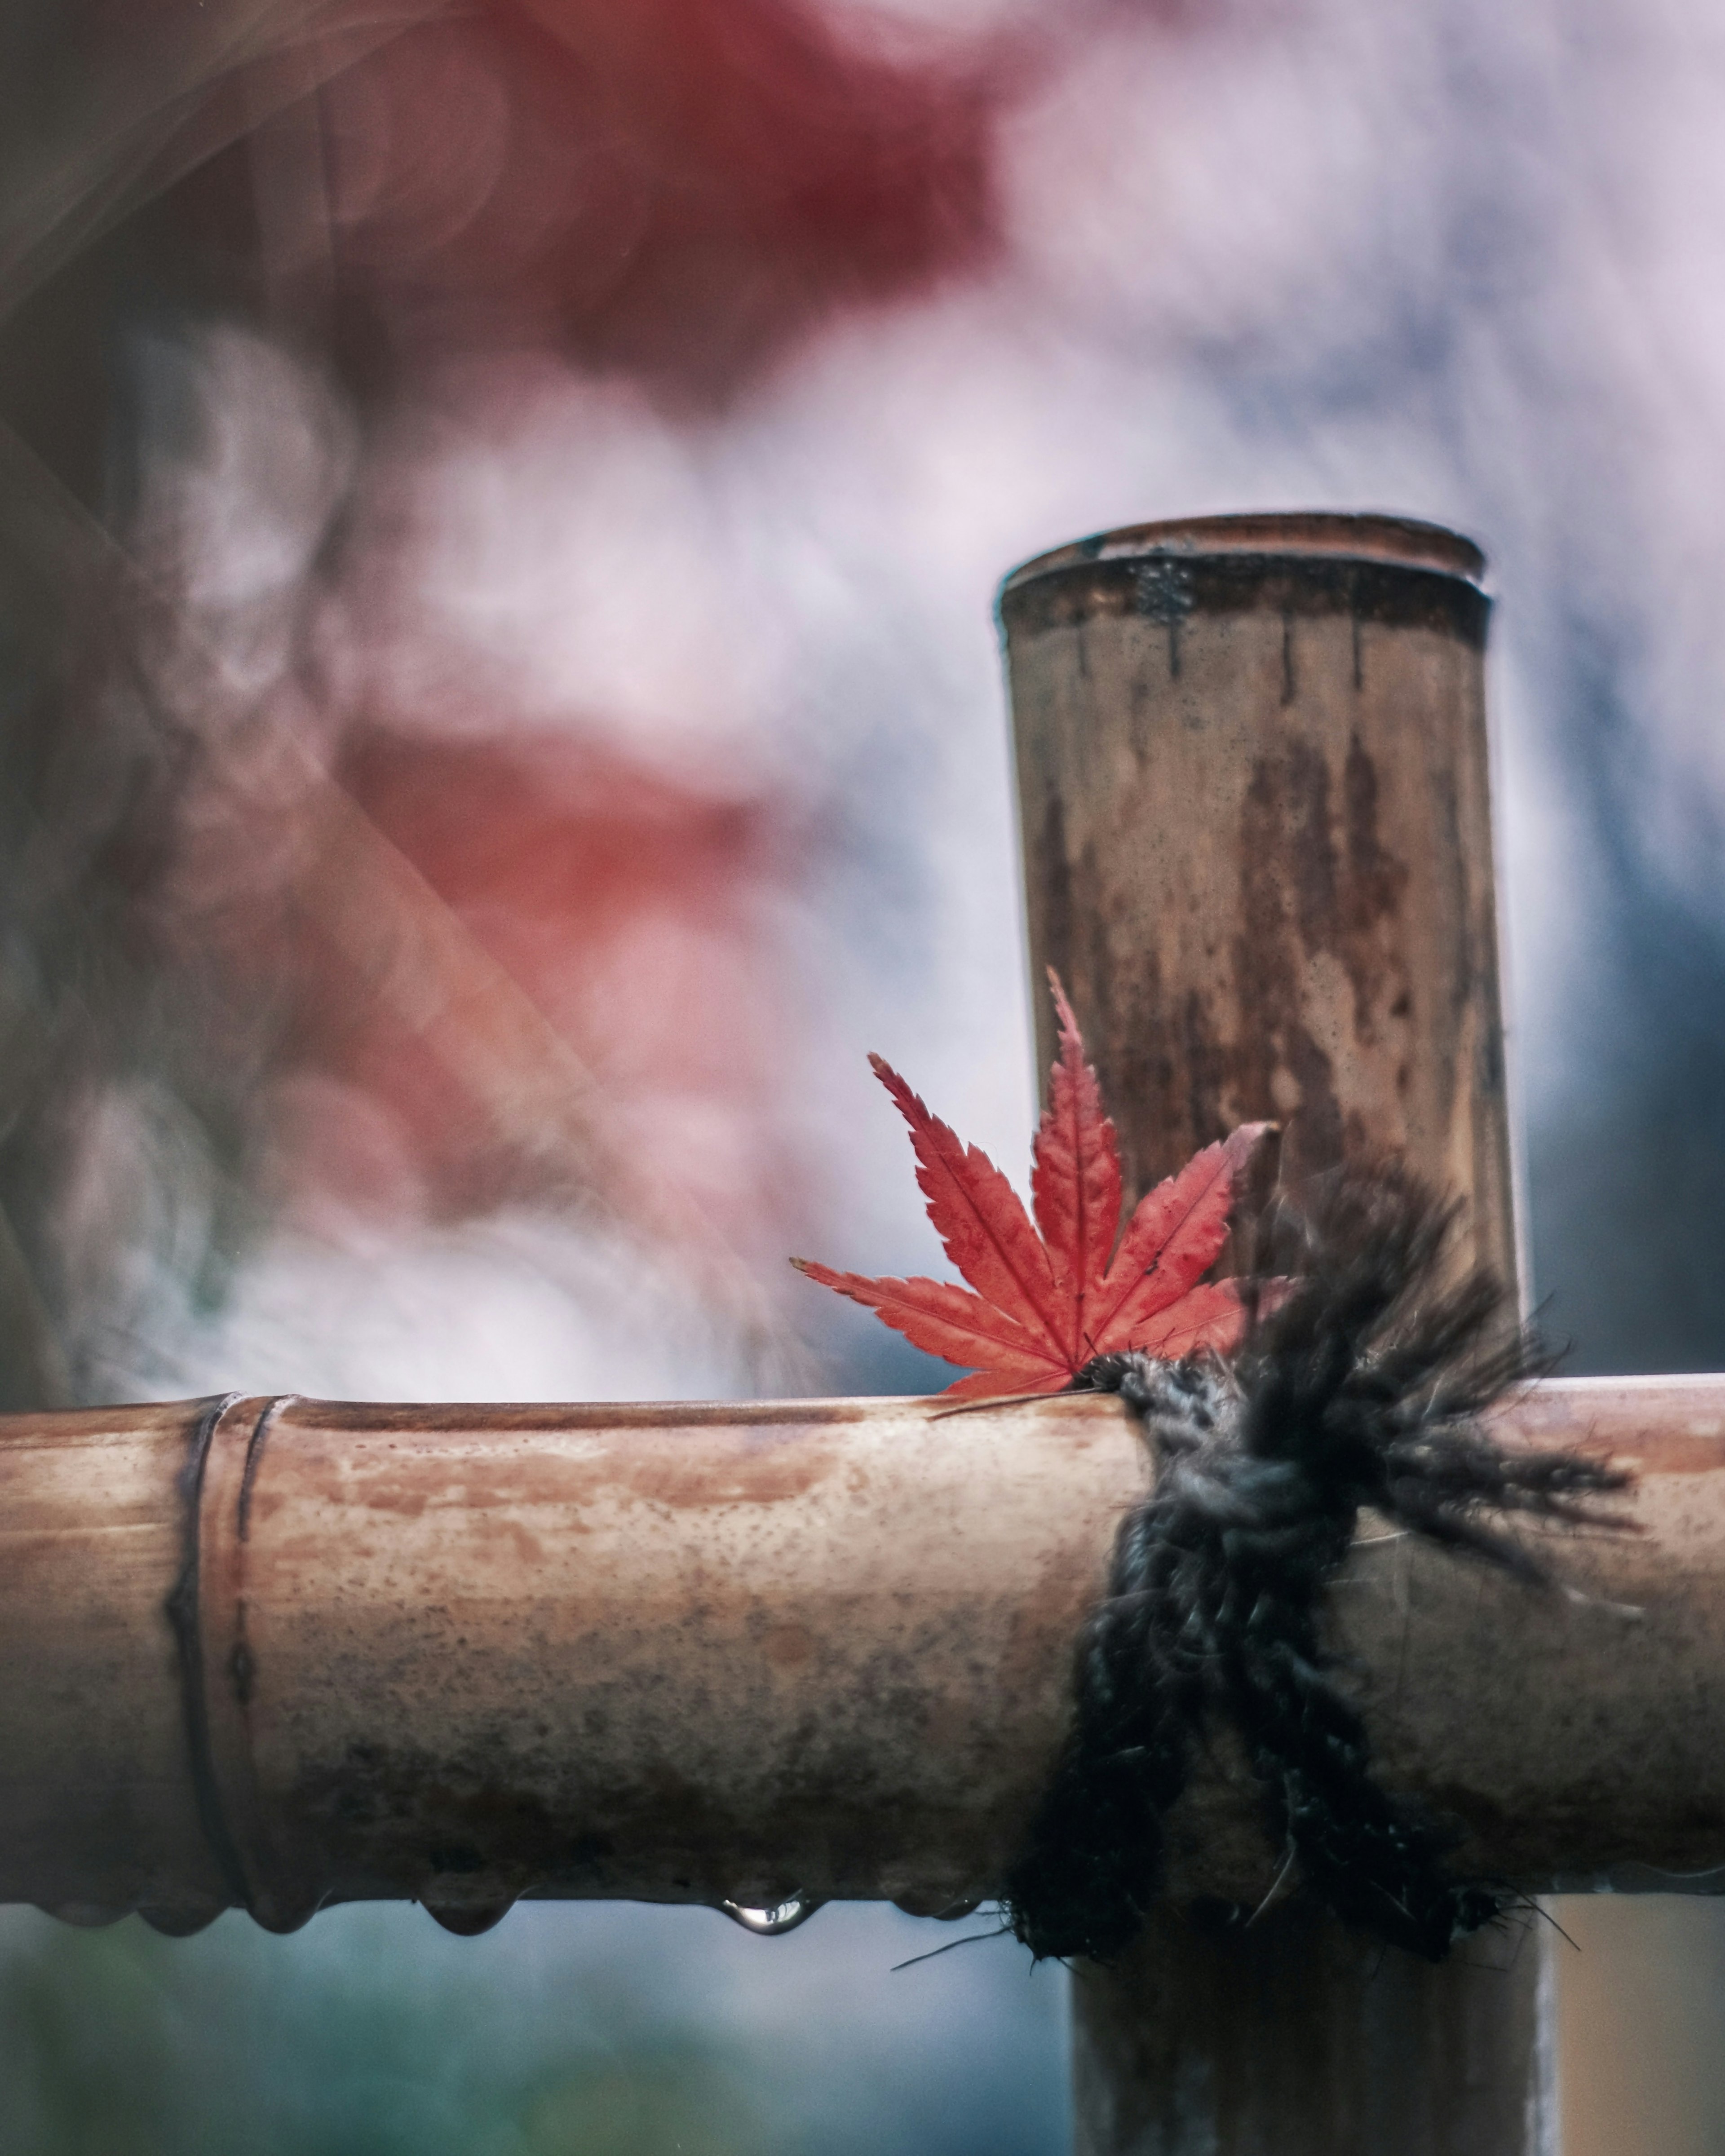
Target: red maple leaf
{"type": "Point", "coordinates": [1046, 1303]}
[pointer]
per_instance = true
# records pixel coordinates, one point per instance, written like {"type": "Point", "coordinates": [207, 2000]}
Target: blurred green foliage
{"type": "Point", "coordinates": [613, 2031]}
{"type": "Point", "coordinates": [117, 2043]}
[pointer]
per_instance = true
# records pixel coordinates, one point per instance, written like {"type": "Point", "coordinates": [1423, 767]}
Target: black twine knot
{"type": "Point", "coordinates": [1364, 1387]}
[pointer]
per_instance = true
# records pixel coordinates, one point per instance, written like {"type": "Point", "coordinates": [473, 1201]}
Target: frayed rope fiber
{"type": "Point", "coordinates": [1363, 1389]}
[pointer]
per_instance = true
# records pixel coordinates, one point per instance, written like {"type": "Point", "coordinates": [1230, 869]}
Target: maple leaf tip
{"type": "Point", "coordinates": [1070, 1034]}
{"type": "Point", "coordinates": [897, 1086]}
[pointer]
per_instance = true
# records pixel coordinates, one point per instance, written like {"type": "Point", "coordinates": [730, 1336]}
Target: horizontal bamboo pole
{"type": "Point", "coordinates": [273, 1653]}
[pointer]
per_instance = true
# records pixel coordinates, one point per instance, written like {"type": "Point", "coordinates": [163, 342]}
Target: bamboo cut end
{"type": "Point", "coordinates": [1325, 534]}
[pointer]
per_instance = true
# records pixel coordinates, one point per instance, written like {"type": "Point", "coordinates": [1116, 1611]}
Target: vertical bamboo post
{"type": "Point", "coordinates": [1252, 772]}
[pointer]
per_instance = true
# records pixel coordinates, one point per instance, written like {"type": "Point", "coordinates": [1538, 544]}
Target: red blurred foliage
{"type": "Point", "coordinates": [636, 915]}
{"type": "Point", "coordinates": [678, 190]}
{"type": "Point", "coordinates": [672, 187]}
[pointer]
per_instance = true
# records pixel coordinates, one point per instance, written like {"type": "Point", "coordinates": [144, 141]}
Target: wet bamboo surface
{"type": "Point", "coordinates": [275, 1653]}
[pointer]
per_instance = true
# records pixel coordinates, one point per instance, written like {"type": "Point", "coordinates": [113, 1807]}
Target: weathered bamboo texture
{"type": "Point", "coordinates": [1252, 772]}
{"type": "Point", "coordinates": [1252, 779]}
{"type": "Point", "coordinates": [273, 1653]}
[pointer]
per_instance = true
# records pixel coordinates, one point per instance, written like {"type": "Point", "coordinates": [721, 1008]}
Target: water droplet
{"type": "Point", "coordinates": [776, 1919]}
{"type": "Point", "coordinates": [924, 1901]}
{"type": "Point", "coordinates": [87, 1915]}
{"type": "Point", "coordinates": [286, 1910]}
{"type": "Point", "coordinates": [179, 1919]}
{"type": "Point", "coordinates": [468, 1919]}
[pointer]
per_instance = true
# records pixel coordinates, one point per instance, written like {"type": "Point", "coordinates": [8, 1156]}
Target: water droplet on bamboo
{"type": "Point", "coordinates": [942, 1907]}
{"type": "Point", "coordinates": [775, 1918]}
{"type": "Point", "coordinates": [180, 1920]}
{"type": "Point", "coordinates": [468, 1919]}
{"type": "Point", "coordinates": [87, 1915]}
